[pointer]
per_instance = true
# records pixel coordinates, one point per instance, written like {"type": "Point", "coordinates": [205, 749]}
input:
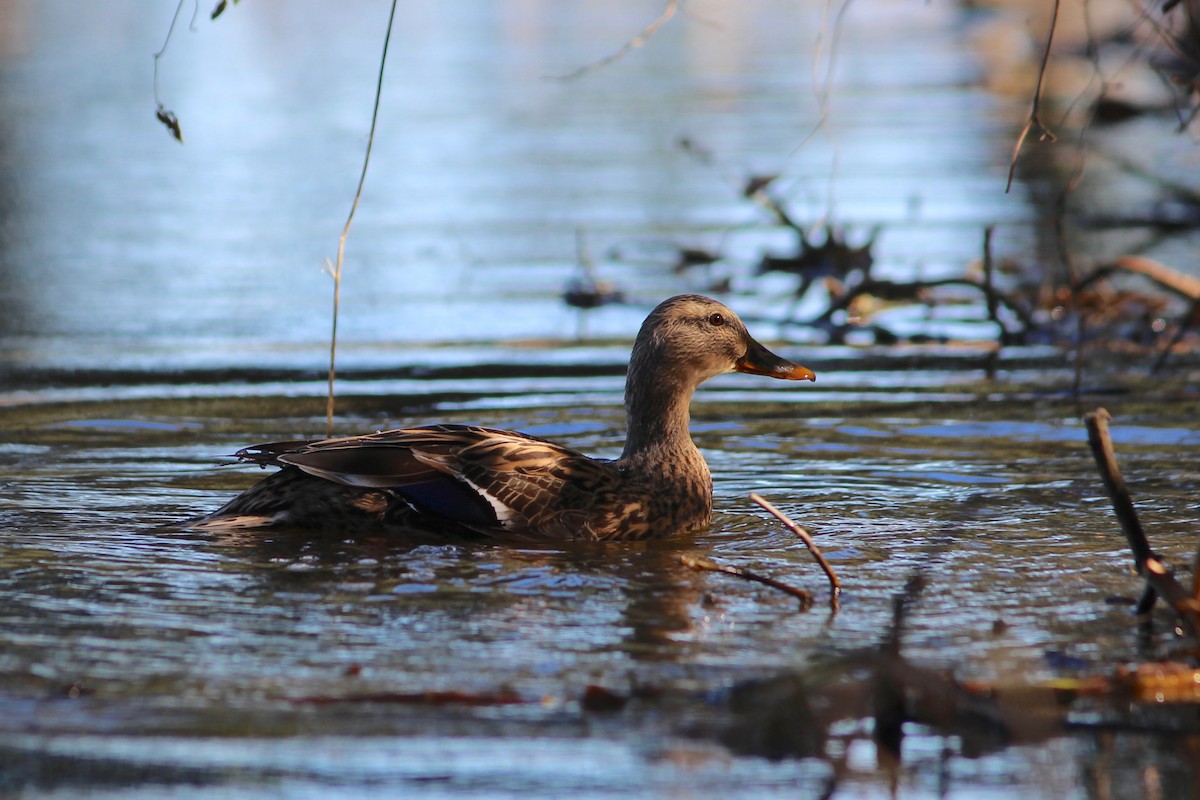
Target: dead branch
{"type": "Point", "coordinates": [910, 289]}
{"type": "Point", "coordinates": [822, 86]}
{"type": "Point", "coordinates": [1179, 189]}
{"type": "Point", "coordinates": [335, 269]}
{"type": "Point", "coordinates": [705, 565]}
{"type": "Point", "coordinates": [757, 189]}
{"type": "Point", "coordinates": [1158, 579]}
{"type": "Point", "coordinates": [1035, 111]}
{"type": "Point", "coordinates": [989, 286]}
{"type": "Point", "coordinates": [1184, 325]}
{"type": "Point", "coordinates": [835, 586]}
{"type": "Point", "coordinates": [624, 50]}
{"type": "Point", "coordinates": [1186, 286]}
{"type": "Point", "coordinates": [161, 112]}
{"type": "Point", "coordinates": [1114, 483]}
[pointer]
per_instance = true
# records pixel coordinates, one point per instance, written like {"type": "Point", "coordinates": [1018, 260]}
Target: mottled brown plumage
{"type": "Point", "coordinates": [464, 479]}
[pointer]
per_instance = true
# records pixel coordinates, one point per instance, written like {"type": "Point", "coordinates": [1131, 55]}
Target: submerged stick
{"type": "Point", "coordinates": [1158, 579]}
{"type": "Point", "coordinates": [704, 565]}
{"type": "Point", "coordinates": [835, 586]}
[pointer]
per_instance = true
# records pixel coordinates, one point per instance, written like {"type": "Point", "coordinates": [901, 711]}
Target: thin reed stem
{"type": "Point", "coordinates": [336, 269]}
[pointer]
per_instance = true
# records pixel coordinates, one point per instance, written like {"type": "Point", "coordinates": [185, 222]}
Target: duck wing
{"type": "Point", "coordinates": [480, 477]}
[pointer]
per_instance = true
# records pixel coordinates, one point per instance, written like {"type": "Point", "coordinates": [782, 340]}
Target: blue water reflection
{"type": "Point", "coordinates": [139, 660]}
{"type": "Point", "coordinates": [118, 241]}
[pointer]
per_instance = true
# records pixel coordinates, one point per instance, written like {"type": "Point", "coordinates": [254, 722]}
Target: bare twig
{"type": "Point", "coordinates": [1178, 188]}
{"type": "Point", "coordinates": [756, 188]}
{"type": "Point", "coordinates": [1147, 564]}
{"type": "Point", "coordinates": [1184, 286]}
{"type": "Point", "coordinates": [704, 565]}
{"type": "Point", "coordinates": [909, 290]}
{"type": "Point", "coordinates": [1184, 604]}
{"type": "Point", "coordinates": [583, 256]}
{"type": "Point", "coordinates": [1184, 325]}
{"type": "Point", "coordinates": [1067, 257]}
{"type": "Point", "coordinates": [835, 586]}
{"type": "Point", "coordinates": [1106, 460]}
{"type": "Point", "coordinates": [1181, 284]}
{"type": "Point", "coordinates": [823, 84]}
{"type": "Point", "coordinates": [1035, 111]}
{"type": "Point", "coordinates": [161, 112]}
{"type": "Point", "coordinates": [988, 282]}
{"type": "Point", "coordinates": [823, 88]}
{"type": "Point", "coordinates": [624, 50]}
{"type": "Point", "coordinates": [335, 269]}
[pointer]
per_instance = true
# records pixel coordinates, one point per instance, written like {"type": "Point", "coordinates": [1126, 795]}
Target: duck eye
{"type": "Point", "coordinates": [716, 320]}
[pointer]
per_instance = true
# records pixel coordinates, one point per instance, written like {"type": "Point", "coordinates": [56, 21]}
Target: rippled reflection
{"type": "Point", "coordinates": [163, 632]}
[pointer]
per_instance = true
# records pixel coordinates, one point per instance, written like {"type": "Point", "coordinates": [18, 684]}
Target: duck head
{"type": "Point", "coordinates": [690, 338]}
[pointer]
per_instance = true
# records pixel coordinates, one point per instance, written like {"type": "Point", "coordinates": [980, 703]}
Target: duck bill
{"type": "Point", "coordinates": [761, 361]}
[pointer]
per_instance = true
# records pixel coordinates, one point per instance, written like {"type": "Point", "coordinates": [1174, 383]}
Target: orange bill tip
{"type": "Point", "coordinates": [761, 361]}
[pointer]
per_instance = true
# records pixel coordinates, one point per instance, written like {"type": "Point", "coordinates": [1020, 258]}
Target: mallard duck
{"type": "Point", "coordinates": [464, 479]}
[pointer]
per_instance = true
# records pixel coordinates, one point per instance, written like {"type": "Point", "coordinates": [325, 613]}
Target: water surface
{"type": "Point", "coordinates": [163, 306]}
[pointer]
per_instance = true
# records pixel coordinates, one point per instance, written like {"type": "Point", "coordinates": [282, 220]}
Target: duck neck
{"type": "Point", "coordinates": [657, 416]}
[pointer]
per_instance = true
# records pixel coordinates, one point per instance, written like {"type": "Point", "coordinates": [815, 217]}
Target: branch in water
{"type": "Point", "coordinates": [704, 565]}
